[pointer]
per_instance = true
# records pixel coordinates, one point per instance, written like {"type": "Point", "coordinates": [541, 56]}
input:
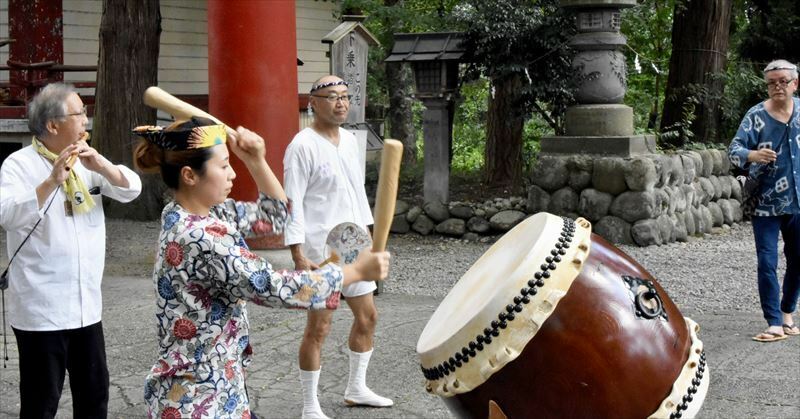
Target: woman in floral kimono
{"type": "Point", "coordinates": [204, 272]}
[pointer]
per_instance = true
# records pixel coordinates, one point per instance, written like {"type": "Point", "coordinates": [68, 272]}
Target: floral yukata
{"type": "Point", "coordinates": [203, 275]}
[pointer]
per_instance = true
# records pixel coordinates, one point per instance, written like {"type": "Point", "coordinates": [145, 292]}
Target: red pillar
{"type": "Point", "coordinates": [252, 76]}
{"type": "Point", "coordinates": [36, 26]}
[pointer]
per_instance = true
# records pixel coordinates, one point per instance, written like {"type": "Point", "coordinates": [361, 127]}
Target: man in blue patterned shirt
{"type": "Point", "coordinates": [767, 144]}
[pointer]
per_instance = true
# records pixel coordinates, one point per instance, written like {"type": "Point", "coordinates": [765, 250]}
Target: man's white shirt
{"type": "Point", "coordinates": [325, 185]}
{"type": "Point", "coordinates": [55, 279]}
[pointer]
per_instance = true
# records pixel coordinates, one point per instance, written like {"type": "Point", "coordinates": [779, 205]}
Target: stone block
{"type": "Point", "coordinates": [717, 219]}
{"type": "Point", "coordinates": [506, 220]}
{"type": "Point", "coordinates": [436, 210]}
{"type": "Point", "coordinates": [423, 225]}
{"type": "Point", "coordinates": [736, 210]}
{"type": "Point", "coordinates": [462, 211]}
{"type": "Point", "coordinates": [678, 198]}
{"type": "Point", "coordinates": [622, 146]}
{"type": "Point", "coordinates": [563, 201]}
{"type": "Point", "coordinates": [717, 159]}
{"type": "Point", "coordinates": [594, 205]}
{"type": "Point", "coordinates": [609, 175]}
{"type": "Point", "coordinates": [478, 225]}
{"type": "Point", "coordinates": [599, 121]}
{"type": "Point", "coordinates": [688, 221]}
{"type": "Point", "coordinates": [413, 213]}
{"type": "Point", "coordinates": [550, 173]}
{"type": "Point", "coordinates": [698, 162]}
{"type": "Point", "coordinates": [400, 207]}
{"type": "Point", "coordinates": [538, 200]}
{"type": "Point", "coordinates": [399, 224]}
{"type": "Point", "coordinates": [699, 220]}
{"type": "Point", "coordinates": [708, 219]}
{"type": "Point", "coordinates": [677, 176]}
{"type": "Point", "coordinates": [689, 170]}
{"type": "Point", "coordinates": [725, 186]}
{"type": "Point", "coordinates": [455, 227]}
{"type": "Point", "coordinates": [614, 229]}
{"type": "Point", "coordinates": [646, 233]}
{"type": "Point", "coordinates": [736, 188]}
{"type": "Point", "coordinates": [717, 187]}
{"type": "Point", "coordinates": [708, 190]}
{"type": "Point", "coordinates": [635, 206]}
{"type": "Point", "coordinates": [689, 193]}
{"type": "Point", "coordinates": [681, 233]}
{"type": "Point", "coordinates": [666, 227]}
{"type": "Point", "coordinates": [727, 211]}
{"type": "Point", "coordinates": [663, 166]}
{"type": "Point", "coordinates": [640, 174]}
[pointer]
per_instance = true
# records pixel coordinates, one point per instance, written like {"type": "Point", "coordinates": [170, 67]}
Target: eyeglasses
{"type": "Point", "coordinates": [82, 112]}
{"type": "Point", "coordinates": [779, 83]}
{"type": "Point", "coordinates": [333, 97]}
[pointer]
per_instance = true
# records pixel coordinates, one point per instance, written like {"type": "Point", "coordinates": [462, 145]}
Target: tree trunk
{"type": "Point", "coordinates": [398, 83]}
{"type": "Point", "coordinates": [400, 115]}
{"type": "Point", "coordinates": [700, 34]}
{"type": "Point", "coordinates": [128, 64]}
{"type": "Point", "coordinates": [503, 152]}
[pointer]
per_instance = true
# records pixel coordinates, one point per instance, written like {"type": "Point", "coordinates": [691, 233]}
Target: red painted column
{"type": "Point", "coordinates": [252, 76]}
{"type": "Point", "coordinates": [36, 26]}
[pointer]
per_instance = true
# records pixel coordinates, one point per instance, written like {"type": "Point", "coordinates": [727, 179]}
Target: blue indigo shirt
{"type": "Point", "coordinates": [779, 189]}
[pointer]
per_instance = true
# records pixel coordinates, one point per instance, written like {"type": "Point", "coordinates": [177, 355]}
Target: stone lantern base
{"type": "Point", "coordinates": [618, 146]}
{"type": "Point", "coordinates": [603, 130]}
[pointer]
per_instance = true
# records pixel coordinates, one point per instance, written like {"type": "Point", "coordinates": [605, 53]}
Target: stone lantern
{"type": "Point", "coordinates": [600, 124]}
{"type": "Point", "coordinates": [434, 58]}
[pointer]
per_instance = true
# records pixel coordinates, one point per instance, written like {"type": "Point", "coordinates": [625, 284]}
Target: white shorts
{"type": "Point", "coordinates": [359, 288]}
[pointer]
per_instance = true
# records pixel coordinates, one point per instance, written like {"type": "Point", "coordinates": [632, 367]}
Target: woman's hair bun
{"type": "Point", "coordinates": [148, 157]}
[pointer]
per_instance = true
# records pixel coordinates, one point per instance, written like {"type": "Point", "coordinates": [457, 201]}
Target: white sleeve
{"type": "Point", "coordinates": [19, 205]}
{"type": "Point", "coordinates": [118, 193]}
{"type": "Point", "coordinates": [296, 172]}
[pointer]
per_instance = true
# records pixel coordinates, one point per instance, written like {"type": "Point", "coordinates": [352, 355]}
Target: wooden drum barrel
{"type": "Point", "coordinates": [554, 321]}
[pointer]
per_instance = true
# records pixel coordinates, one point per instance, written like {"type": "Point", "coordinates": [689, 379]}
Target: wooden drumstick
{"type": "Point", "coordinates": [386, 196]}
{"type": "Point", "coordinates": [156, 97]}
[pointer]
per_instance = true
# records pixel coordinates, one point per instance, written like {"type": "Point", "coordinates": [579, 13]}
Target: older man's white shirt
{"type": "Point", "coordinates": [55, 279]}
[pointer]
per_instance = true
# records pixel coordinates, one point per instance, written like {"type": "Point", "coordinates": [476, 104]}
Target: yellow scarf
{"type": "Point", "coordinates": [76, 191]}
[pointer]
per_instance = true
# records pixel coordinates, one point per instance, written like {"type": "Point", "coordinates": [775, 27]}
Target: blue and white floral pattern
{"type": "Point", "coordinates": [203, 276]}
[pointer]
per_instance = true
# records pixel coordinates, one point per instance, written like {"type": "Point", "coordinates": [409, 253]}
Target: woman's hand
{"type": "Point", "coordinates": [372, 266]}
{"type": "Point", "coordinates": [247, 145]}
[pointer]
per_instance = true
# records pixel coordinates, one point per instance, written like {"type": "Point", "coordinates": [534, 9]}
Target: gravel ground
{"type": "Point", "coordinates": [714, 273]}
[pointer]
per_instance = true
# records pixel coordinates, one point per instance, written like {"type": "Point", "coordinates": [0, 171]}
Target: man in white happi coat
{"type": "Point", "coordinates": [325, 183]}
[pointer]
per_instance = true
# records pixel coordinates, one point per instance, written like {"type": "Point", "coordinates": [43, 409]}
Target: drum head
{"type": "Point", "coordinates": [490, 286]}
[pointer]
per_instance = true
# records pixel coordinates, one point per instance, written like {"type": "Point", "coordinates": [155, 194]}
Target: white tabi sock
{"type": "Point", "coordinates": [357, 392]}
{"type": "Point", "coordinates": [308, 382]}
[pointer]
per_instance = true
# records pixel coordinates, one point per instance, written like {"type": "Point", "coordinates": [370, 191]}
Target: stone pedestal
{"type": "Point", "coordinates": [619, 146]}
{"type": "Point", "coordinates": [436, 134]}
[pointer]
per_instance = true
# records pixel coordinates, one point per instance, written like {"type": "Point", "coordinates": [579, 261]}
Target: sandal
{"type": "Point", "coordinates": [766, 336]}
{"type": "Point", "coordinates": [791, 329]}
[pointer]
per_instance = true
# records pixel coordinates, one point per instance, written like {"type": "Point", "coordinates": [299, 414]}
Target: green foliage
{"type": "Point", "coordinates": [527, 38]}
{"type": "Point", "coordinates": [771, 30]}
{"type": "Point", "coordinates": [681, 131]}
{"type": "Point", "coordinates": [469, 128]}
{"type": "Point", "coordinates": [648, 28]}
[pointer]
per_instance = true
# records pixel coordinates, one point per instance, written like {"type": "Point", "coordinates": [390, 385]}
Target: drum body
{"type": "Point", "coordinates": [586, 332]}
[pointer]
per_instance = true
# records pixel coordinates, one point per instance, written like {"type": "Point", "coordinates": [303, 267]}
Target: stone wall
{"type": "Point", "coordinates": [643, 200]}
